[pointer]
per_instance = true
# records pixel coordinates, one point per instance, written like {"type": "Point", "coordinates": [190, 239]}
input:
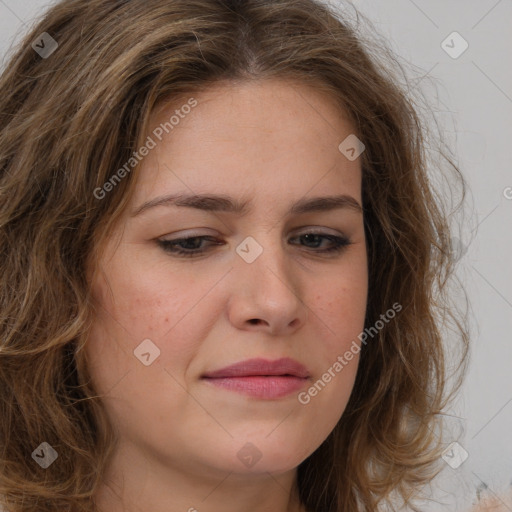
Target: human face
{"type": "Point", "coordinates": [272, 144]}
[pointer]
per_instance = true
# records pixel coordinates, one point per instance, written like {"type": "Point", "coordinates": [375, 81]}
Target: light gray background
{"type": "Point", "coordinates": [474, 103]}
{"type": "Point", "coordinates": [477, 89]}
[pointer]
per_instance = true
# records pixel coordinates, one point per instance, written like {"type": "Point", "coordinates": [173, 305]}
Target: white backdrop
{"type": "Point", "coordinates": [476, 86]}
{"type": "Point", "coordinates": [473, 70]}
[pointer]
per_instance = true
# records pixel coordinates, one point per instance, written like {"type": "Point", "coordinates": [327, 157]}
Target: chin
{"type": "Point", "coordinates": [269, 458]}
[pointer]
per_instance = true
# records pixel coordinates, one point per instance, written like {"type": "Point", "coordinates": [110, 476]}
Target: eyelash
{"type": "Point", "coordinates": [171, 246]}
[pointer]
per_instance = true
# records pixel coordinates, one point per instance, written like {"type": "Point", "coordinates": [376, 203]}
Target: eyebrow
{"type": "Point", "coordinates": [223, 203]}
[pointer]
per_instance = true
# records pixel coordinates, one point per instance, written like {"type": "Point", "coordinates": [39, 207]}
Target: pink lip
{"type": "Point", "coordinates": [261, 378]}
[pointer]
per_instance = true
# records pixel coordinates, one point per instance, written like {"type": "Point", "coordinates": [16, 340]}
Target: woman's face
{"type": "Point", "coordinates": [256, 287]}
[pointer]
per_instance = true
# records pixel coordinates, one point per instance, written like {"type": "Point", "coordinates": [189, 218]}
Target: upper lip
{"type": "Point", "coordinates": [261, 367]}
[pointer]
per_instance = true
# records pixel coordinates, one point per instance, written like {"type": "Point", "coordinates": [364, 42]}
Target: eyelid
{"type": "Point", "coordinates": [189, 234]}
{"type": "Point", "coordinates": [341, 242]}
{"type": "Point", "coordinates": [321, 230]}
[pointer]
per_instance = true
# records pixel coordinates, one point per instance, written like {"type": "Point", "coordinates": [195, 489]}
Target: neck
{"type": "Point", "coordinates": [135, 483]}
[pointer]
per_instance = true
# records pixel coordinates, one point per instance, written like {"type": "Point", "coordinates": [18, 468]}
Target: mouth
{"type": "Point", "coordinates": [260, 378]}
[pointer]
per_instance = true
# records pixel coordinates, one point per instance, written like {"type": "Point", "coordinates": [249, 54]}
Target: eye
{"type": "Point", "coordinates": [338, 243]}
{"type": "Point", "coordinates": [188, 247]}
{"type": "Point", "coordinates": [192, 246]}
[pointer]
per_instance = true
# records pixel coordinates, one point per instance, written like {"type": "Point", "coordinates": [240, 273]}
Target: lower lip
{"type": "Point", "coordinates": [260, 386]}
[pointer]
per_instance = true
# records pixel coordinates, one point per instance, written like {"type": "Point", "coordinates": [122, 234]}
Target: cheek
{"type": "Point", "coordinates": [149, 304]}
{"type": "Point", "coordinates": [340, 314]}
{"type": "Point", "coordinates": [144, 298]}
{"type": "Point", "coordinates": [341, 323]}
{"type": "Point", "coordinates": [341, 305]}
{"type": "Point", "coordinates": [146, 307]}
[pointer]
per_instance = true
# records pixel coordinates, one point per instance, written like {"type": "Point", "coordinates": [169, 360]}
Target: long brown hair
{"type": "Point", "coordinates": [72, 116]}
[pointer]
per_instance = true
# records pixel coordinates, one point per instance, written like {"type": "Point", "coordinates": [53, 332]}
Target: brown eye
{"type": "Point", "coordinates": [187, 247]}
{"type": "Point", "coordinates": [337, 243]}
{"type": "Point", "coordinates": [193, 246]}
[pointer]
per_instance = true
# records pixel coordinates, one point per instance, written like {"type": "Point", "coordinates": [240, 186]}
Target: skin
{"type": "Point", "coordinates": [273, 142]}
{"type": "Point", "coordinates": [492, 502]}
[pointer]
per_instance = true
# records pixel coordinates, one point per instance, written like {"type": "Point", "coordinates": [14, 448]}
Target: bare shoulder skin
{"type": "Point", "coordinates": [494, 504]}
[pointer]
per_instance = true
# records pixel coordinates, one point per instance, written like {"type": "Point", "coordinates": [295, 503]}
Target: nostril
{"type": "Point", "coordinates": [254, 321]}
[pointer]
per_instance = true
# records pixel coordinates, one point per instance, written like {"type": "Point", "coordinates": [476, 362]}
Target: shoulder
{"type": "Point", "coordinates": [494, 504]}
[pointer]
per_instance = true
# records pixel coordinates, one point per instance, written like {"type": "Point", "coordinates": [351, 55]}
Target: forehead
{"type": "Point", "coordinates": [270, 107]}
{"type": "Point", "coordinates": [266, 135]}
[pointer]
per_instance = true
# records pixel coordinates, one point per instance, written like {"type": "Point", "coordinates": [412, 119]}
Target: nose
{"type": "Point", "coordinates": [266, 294]}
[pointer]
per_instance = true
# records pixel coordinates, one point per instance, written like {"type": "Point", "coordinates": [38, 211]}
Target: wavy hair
{"type": "Point", "coordinates": [69, 119]}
